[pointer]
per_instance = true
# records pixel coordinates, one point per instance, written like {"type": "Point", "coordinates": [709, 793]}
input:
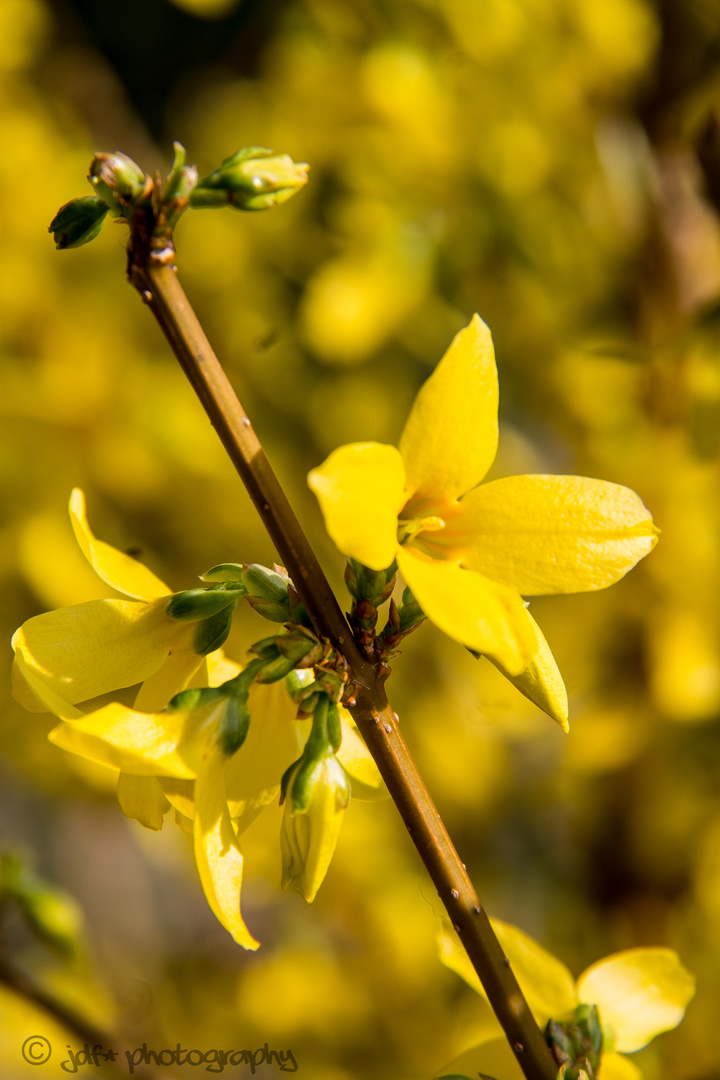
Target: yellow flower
{"type": "Point", "coordinates": [308, 837]}
{"type": "Point", "coordinates": [76, 653]}
{"type": "Point", "coordinates": [469, 553]}
{"type": "Point", "coordinates": [639, 994]}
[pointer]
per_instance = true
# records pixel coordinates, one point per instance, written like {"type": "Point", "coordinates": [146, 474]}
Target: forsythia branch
{"type": "Point", "coordinates": [156, 280]}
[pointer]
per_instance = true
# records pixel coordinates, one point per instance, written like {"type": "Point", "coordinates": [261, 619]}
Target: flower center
{"type": "Point", "coordinates": [426, 525]}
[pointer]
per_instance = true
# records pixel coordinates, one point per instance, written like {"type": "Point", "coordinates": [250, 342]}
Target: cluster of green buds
{"type": "Point", "coordinates": [252, 179]}
{"type": "Point", "coordinates": [577, 1043]}
{"type": "Point", "coordinates": [369, 590]}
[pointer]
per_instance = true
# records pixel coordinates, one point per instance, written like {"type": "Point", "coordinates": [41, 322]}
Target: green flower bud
{"type": "Point", "coordinates": [194, 604]}
{"type": "Point", "coordinates": [366, 584]}
{"type": "Point", "coordinates": [78, 222]}
{"type": "Point", "coordinates": [211, 634]}
{"type": "Point", "coordinates": [252, 179]}
{"type": "Point", "coordinates": [267, 592]}
{"type": "Point", "coordinates": [577, 1043]}
{"type": "Point", "coordinates": [119, 181]}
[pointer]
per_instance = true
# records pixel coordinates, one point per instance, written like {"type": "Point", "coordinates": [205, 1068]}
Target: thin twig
{"type": "Point", "coordinates": [158, 284]}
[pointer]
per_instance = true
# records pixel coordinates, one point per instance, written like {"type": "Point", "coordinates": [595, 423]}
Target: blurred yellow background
{"type": "Point", "coordinates": [551, 164]}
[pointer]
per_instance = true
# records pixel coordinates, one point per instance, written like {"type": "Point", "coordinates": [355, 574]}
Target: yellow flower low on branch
{"type": "Point", "coordinates": [178, 752]}
{"type": "Point", "coordinates": [471, 553]}
{"type": "Point", "coordinates": [639, 993]}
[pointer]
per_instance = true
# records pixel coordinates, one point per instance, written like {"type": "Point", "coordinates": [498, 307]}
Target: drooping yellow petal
{"type": "Point", "coordinates": [366, 783]}
{"type": "Point", "coordinates": [548, 986]}
{"type": "Point", "coordinates": [486, 617]}
{"type": "Point", "coordinates": [96, 647]}
{"type": "Point", "coordinates": [34, 694]}
{"type": "Point", "coordinates": [181, 796]}
{"type": "Point", "coordinates": [146, 744]}
{"type": "Point", "coordinates": [360, 488]}
{"type": "Point", "coordinates": [253, 774]}
{"type": "Point", "coordinates": [450, 438]}
{"type": "Point", "coordinates": [541, 680]}
{"type": "Point", "coordinates": [639, 993]}
{"type": "Point", "coordinates": [117, 569]}
{"type": "Point", "coordinates": [617, 1067]}
{"type": "Point", "coordinates": [553, 534]}
{"type": "Point", "coordinates": [217, 852]}
{"type": "Point", "coordinates": [142, 799]}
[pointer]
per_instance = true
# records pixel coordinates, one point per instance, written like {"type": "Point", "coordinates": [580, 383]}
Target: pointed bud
{"type": "Point", "coordinates": [267, 592]}
{"type": "Point", "coordinates": [194, 604]}
{"type": "Point", "coordinates": [119, 181]}
{"type": "Point", "coordinates": [78, 222]}
{"type": "Point", "coordinates": [252, 179]}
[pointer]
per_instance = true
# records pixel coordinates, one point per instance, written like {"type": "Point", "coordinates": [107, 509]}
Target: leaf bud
{"type": "Point", "coordinates": [78, 222]}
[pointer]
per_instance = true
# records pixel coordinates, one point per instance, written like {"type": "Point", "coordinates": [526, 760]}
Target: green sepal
{"type": "Point", "coordinates": [410, 612]}
{"type": "Point", "coordinates": [194, 604]}
{"type": "Point", "coordinates": [78, 222]}
{"type": "Point", "coordinates": [211, 634]}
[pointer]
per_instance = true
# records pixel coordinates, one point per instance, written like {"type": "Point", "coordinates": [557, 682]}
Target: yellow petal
{"type": "Point", "coordinates": [360, 489]}
{"type": "Point", "coordinates": [541, 680]}
{"type": "Point", "coordinates": [97, 647]}
{"type": "Point", "coordinates": [181, 796]}
{"type": "Point", "coordinates": [308, 838]}
{"type": "Point", "coordinates": [617, 1067]}
{"type": "Point", "coordinates": [548, 986]}
{"type": "Point", "coordinates": [366, 783]}
{"type": "Point", "coordinates": [554, 534]}
{"type": "Point", "coordinates": [147, 744]}
{"type": "Point", "coordinates": [639, 993]}
{"type": "Point", "coordinates": [544, 980]}
{"type": "Point", "coordinates": [486, 617]}
{"type": "Point", "coordinates": [493, 1060]}
{"type": "Point", "coordinates": [451, 435]}
{"type": "Point", "coordinates": [115, 568]}
{"type": "Point", "coordinates": [253, 774]}
{"type": "Point", "coordinates": [177, 673]}
{"type": "Point", "coordinates": [217, 852]}
{"type": "Point", "coordinates": [142, 798]}
{"type": "Point", "coordinates": [34, 694]}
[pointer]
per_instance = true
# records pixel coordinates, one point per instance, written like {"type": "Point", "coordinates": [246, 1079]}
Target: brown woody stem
{"type": "Point", "coordinates": [158, 284]}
